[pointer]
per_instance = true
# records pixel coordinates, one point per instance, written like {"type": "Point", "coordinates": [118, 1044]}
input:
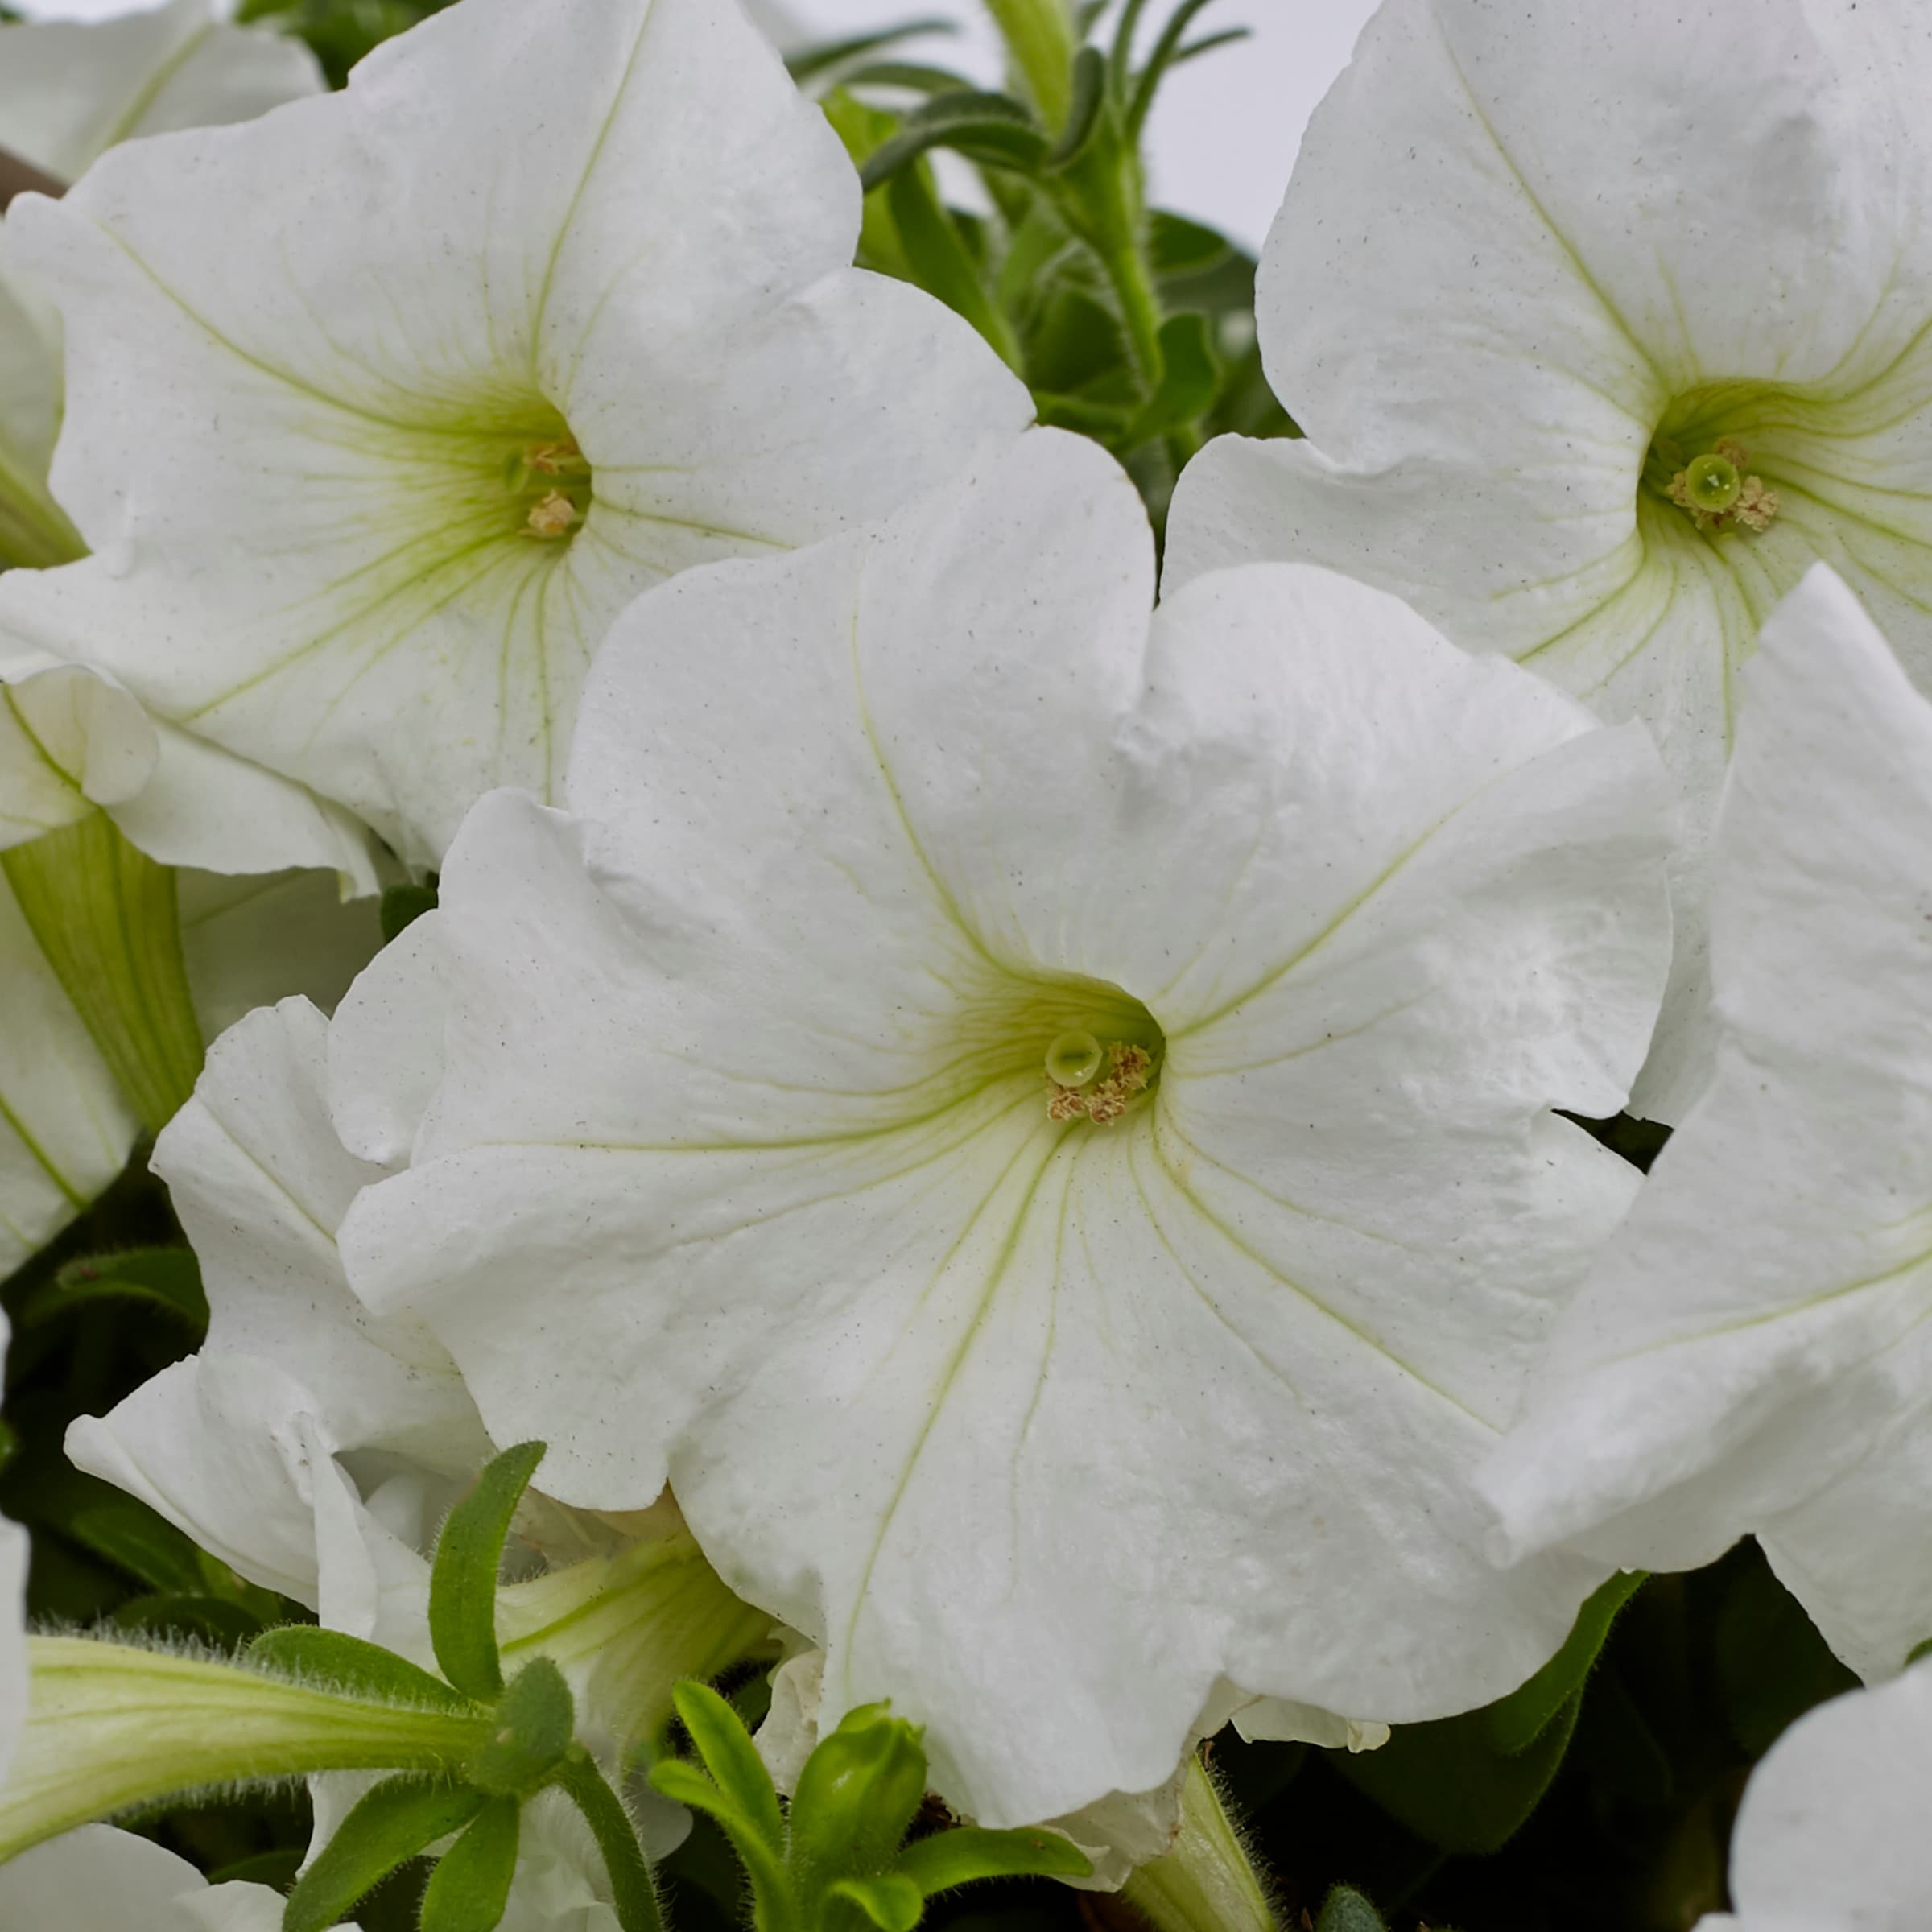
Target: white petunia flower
{"type": "Point", "coordinates": [1751, 1353]}
{"type": "Point", "coordinates": [1604, 323]}
{"type": "Point", "coordinates": [382, 406]}
{"type": "Point", "coordinates": [1831, 1835]}
{"type": "Point", "coordinates": [67, 94]}
{"type": "Point", "coordinates": [1036, 1119]}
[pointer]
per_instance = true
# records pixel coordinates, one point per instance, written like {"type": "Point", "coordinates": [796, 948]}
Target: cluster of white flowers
{"type": "Point", "coordinates": [1017, 1142]}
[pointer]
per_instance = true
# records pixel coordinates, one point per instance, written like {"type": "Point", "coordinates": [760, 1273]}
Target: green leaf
{"type": "Point", "coordinates": [1347, 1911]}
{"type": "Point", "coordinates": [533, 1723]}
{"type": "Point", "coordinates": [891, 1902]}
{"type": "Point", "coordinates": [336, 1662]}
{"type": "Point", "coordinates": [939, 262]}
{"type": "Point", "coordinates": [463, 1579]}
{"type": "Point", "coordinates": [969, 1852]}
{"type": "Point", "coordinates": [632, 1891]}
{"type": "Point", "coordinates": [1190, 378]}
{"type": "Point", "coordinates": [392, 1823]}
{"type": "Point", "coordinates": [1772, 1664]}
{"type": "Point", "coordinates": [918, 76]}
{"type": "Point", "coordinates": [1516, 1721]}
{"type": "Point", "coordinates": [209, 1619]}
{"type": "Point", "coordinates": [684, 1783]}
{"type": "Point", "coordinates": [1083, 112]}
{"type": "Point", "coordinates": [1448, 1783]}
{"type": "Point", "coordinates": [1178, 247]}
{"type": "Point", "coordinates": [128, 1534]}
{"type": "Point", "coordinates": [1147, 83]}
{"type": "Point", "coordinates": [732, 1759]}
{"type": "Point", "coordinates": [469, 1889]}
{"type": "Point", "coordinates": [833, 53]}
{"type": "Point", "coordinates": [167, 1281]}
{"type": "Point", "coordinates": [403, 905]}
{"type": "Point", "coordinates": [1209, 44]}
{"type": "Point", "coordinates": [992, 128]}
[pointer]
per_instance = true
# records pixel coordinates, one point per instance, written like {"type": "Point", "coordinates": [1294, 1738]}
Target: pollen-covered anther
{"type": "Point", "coordinates": [560, 458]}
{"type": "Point", "coordinates": [1129, 1070]}
{"type": "Point", "coordinates": [1716, 493]}
{"type": "Point", "coordinates": [552, 514]}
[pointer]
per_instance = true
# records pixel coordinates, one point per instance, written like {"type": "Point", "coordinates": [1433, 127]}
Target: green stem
{"type": "Point", "coordinates": [1206, 1884]}
{"type": "Point", "coordinates": [105, 915]}
{"type": "Point", "coordinates": [1039, 36]}
{"type": "Point", "coordinates": [632, 1890]}
{"type": "Point", "coordinates": [110, 1726]}
{"type": "Point", "coordinates": [1102, 200]}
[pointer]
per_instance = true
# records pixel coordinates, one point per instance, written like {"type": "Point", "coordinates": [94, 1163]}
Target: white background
{"type": "Point", "coordinates": [1226, 127]}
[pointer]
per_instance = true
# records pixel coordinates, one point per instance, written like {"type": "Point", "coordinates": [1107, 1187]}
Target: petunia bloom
{"type": "Point", "coordinates": [69, 91]}
{"type": "Point", "coordinates": [1831, 1835]}
{"type": "Point", "coordinates": [1037, 1118]}
{"type": "Point", "coordinates": [1603, 323]}
{"type": "Point", "coordinates": [382, 406]}
{"type": "Point", "coordinates": [1751, 1353]}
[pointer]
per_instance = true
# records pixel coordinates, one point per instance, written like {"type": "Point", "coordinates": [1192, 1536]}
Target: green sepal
{"type": "Point", "coordinates": [462, 1578]}
{"type": "Point", "coordinates": [990, 128]}
{"type": "Point", "coordinates": [401, 906]}
{"type": "Point", "coordinates": [1517, 1721]}
{"type": "Point", "coordinates": [469, 1889]}
{"type": "Point", "coordinates": [533, 1725]}
{"type": "Point", "coordinates": [1346, 1911]}
{"type": "Point", "coordinates": [1165, 51]}
{"type": "Point", "coordinates": [332, 1661]}
{"type": "Point", "coordinates": [856, 1796]}
{"type": "Point", "coordinates": [892, 1902]}
{"type": "Point", "coordinates": [105, 915]}
{"type": "Point", "coordinates": [390, 1825]}
{"type": "Point", "coordinates": [970, 1852]}
{"type": "Point", "coordinates": [632, 1892]}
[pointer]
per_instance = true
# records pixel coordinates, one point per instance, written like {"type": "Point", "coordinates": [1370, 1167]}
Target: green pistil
{"type": "Point", "coordinates": [1712, 484]}
{"type": "Point", "coordinates": [1102, 1072]}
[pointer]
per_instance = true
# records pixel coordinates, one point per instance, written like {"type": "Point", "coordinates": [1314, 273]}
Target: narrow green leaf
{"type": "Point", "coordinates": [918, 76]}
{"type": "Point", "coordinates": [731, 1757]}
{"type": "Point", "coordinates": [533, 1723]}
{"type": "Point", "coordinates": [684, 1783]}
{"type": "Point", "coordinates": [1517, 1720]}
{"type": "Point", "coordinates": [893, 1903]}
{"type": "Point", "coordinates": [832, 53]}
{"type": "Point", "coordinates": [1347, 1911]}
{"type": "Point", "coordinates": [938, 259]}
{"type": "Point", "coordinates": [1083, 115]}
{"type": "Point", "coordinates": [130, 1534]}
{"type": "Point", "coordinates": [1120, 58]}
{"type": "Point", "coordinates": [1147, 83]}
{"type": "Point", "coordinates": [469, 1889]}
{"type": "Point", "coordinates": [167, 1280]}
{"type": "Point", "coordinates": [631, 1888]}
{"type": "Point", "coordinates": [463, 1579]}
{"type": "Point", "coordinates": [969, 1852]}
{"type": "Point", "coordinates": [209, 1619]}
{"type": "Point", "coordinates": [992, 127]}
{"type": "Point", "coordinates": [330, 1660]}
{"type": "Point", "coordinates": [401, 906]}
{"type": "Point", "coordinates": [391, 1824]}
{"type": "Point", "coordinates": [1209, 44]}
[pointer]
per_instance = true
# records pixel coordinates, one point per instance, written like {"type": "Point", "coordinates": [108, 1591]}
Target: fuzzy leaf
{"type": "Point", "coordinates": [462, 1580]}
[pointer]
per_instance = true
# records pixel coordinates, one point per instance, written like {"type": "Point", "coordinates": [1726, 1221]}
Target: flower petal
{"type": "Point", "coordinates": [1756, 1329]}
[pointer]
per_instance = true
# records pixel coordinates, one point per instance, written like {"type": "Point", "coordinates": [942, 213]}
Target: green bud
{"type": "Point", "coordinates": [857, 1798]}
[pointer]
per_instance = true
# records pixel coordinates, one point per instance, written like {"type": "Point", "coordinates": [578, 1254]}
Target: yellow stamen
{"type": "Point", "coordinates": [551, 515]}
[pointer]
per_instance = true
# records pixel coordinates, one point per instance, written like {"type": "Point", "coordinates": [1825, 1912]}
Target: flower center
{"type": "Point", "coordinates": [549, 482]}
{"type": "Point", "coordinates": [1697, 461]}
{"type": "Point", "coordinates": [1101, 1071]}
